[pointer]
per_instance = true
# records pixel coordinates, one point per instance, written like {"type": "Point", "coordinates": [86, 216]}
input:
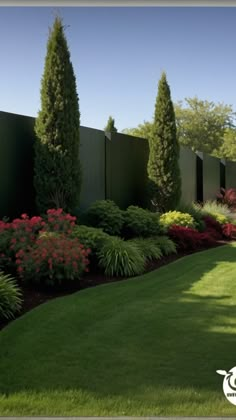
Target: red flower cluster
{"type": "Point", "coordinates": [53, 260]}
{"type": "Point", "coordinates": [228, 197]}
{"type": "Point", "coordinates": [190, 239]}
{"type": "Point", "coordinates": [59, 222]}
{"type": "Point", "coordinates": [229, 231]}
{"type": "Point", "coordinates": [22, 232]}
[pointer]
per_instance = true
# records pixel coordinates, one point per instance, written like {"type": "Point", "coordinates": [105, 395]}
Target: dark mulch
{"type": "Point", "coordinates": [33, 297]}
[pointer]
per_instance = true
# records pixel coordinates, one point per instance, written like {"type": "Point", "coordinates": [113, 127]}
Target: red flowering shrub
{"type": "Point", "coordinates": [213, 227]}
{"type": "Point", "coordinates": [52, 260]}
{"type": "Point", "coordinates": [21, 233]}
{"type": "Point", "coordinates": [190, 239]}
{"type": "Point", "coordinates": [227, 197]}
{"type": "Point", "coordinates": [229, 231]}
{"type": "Point", "coordinates": [57, 221]}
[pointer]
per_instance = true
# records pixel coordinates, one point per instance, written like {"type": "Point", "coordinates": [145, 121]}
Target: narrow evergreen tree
{"type": "Point", "coordinates": [57, 176]}
{"type": "Point", "coordinates": [111, 125]}
{"type": "Point", "coordinates": [163, 164]}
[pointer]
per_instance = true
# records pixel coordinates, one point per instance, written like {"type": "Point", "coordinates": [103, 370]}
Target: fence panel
{"type": "Point", "coordinates": [92, 158]}
{"type": "Point", "coordinates": [211, 177]}
{"type": "Point", "coordinates": [16, 164]}
{"type": "Point", "coordinates": [187, 163]}
{"type": "Point", "coordinates": [126, 169]}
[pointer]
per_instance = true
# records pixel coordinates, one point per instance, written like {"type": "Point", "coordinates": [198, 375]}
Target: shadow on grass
{"type": "Point", "coordinates": [162, 330]}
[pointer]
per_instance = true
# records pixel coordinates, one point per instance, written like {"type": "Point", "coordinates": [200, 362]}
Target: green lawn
{"type": "Point", "coordinates": [146, 346]}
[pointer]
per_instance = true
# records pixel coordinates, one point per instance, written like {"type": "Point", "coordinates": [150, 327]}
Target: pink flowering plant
{"type": "Point", "coordinates": [52, 260]}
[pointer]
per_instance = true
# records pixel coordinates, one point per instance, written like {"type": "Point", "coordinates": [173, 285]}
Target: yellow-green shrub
{"type": "Point", "coordinates": [177, 218]}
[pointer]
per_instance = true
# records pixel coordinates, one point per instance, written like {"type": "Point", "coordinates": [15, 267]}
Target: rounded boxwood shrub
{"type": "Point", "coordinates": [10, 297]}
{"type": "Point", "coordinates": [105, 214]}
{"type": "Point", "coordinates": [140, 222]}
{"type": "Point", "coordinates": [148, 248]}
{"type": "Point", "coordinates": [121, 258]}
{"type": "Point", "coordinates": [90, 237]}
{"type": "Point", "coordinates": [177, 218]}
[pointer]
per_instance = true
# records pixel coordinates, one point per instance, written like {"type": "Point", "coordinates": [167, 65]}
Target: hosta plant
{"type": "Point", "coordinates": [10, 297]}
{"type": "Point", "coordinates": [121, 258]}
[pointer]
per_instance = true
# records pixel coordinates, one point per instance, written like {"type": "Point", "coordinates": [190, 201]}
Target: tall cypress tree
{"type": "Point", "coordinates": [111, 125]}
{"type": "Point", "coordinates": [57, 177]}
{"type": "Point", "coordinates": [163, 164]}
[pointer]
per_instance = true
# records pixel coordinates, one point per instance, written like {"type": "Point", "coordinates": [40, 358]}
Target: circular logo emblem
{"type": "Point", "coordinates": [229, 384]}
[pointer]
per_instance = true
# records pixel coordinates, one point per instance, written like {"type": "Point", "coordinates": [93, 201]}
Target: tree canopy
{"type": "Point", "coordinates": [57, 177]}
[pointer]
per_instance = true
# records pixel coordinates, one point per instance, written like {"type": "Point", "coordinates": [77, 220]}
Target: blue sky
{"type": "Point", "coordinates": [118, 55]}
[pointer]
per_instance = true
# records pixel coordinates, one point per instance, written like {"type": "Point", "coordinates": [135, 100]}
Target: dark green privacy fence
{"type": "Point", "coordinates": [114, 167]}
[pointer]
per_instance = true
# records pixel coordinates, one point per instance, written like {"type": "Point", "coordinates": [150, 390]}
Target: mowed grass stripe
{"type": "Point", "coordinates": [145, 346]}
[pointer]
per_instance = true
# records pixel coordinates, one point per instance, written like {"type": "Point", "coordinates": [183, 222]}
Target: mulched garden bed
{"type": "Point", "coordinates": [33, 297]}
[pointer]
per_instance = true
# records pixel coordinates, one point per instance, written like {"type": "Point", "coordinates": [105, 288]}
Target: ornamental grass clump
{"type": "Point", "coordinates": [219, 211]}
{"type": "Point", "coordinates": [10, 297]}
{"type": "Point", "coordinates": [52, 261]}
{"type": "Point", "coordinates": [166, 245]}
{"type": "Point", "coordinates": [121, 258]}
{"type": "Point", "coordinates": [148, 248]}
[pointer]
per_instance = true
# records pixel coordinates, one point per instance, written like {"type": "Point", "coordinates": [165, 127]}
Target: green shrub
{"type": "Point", "coordinates": [195, 211]}
{"type": "Point", "coordinates": [10, 297]}
{"type": "Point", "coordinates": [90, 237]}
{"type": "Point", "coordinates": [121, 258]}
{"type": "Point", "coordinates": [166, 245]}
{"type": "Point", "coordinates": [177, 218]}
{"type": "Point", "coordinates": [140, 222]}
{"type": "Point", "coordinates": [148, 248]}
{"type": "Point", "coordinates": [105, 214]}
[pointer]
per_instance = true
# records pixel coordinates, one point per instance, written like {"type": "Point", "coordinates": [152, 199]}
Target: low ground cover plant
{"type": "Point", "coordinates": [177, 218]}
{"type": "Point", "coordinates": [140, 222]}
{"type": "Point", "coordinates": [105, 214]}
{"type": "Point", "coordinates": [10, 297]}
